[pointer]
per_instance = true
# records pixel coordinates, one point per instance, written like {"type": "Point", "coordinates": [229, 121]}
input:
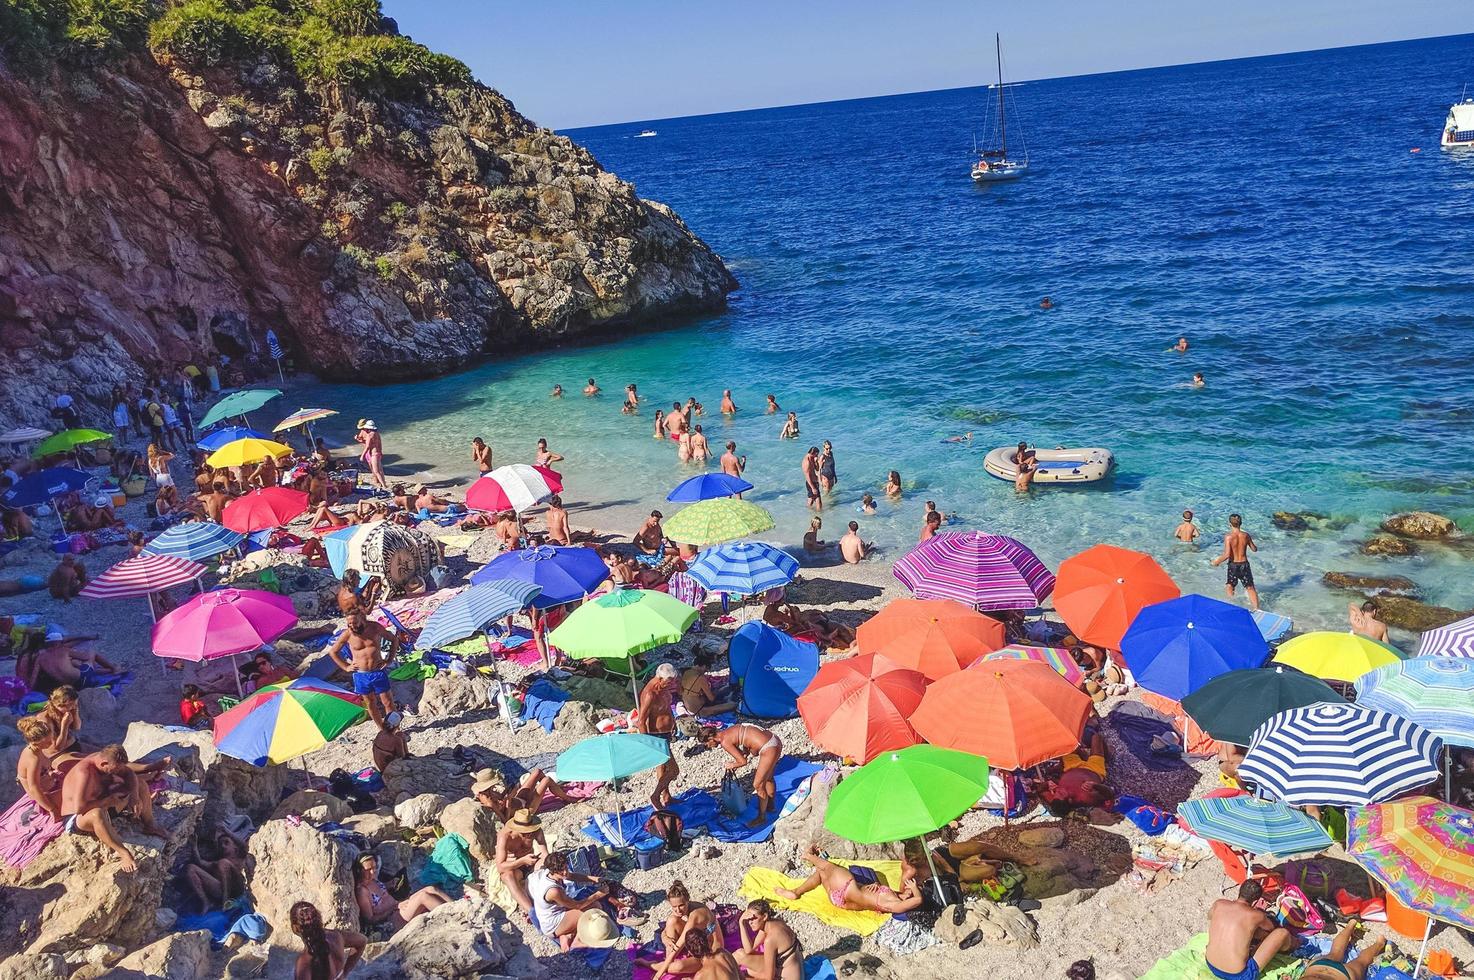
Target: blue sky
{"type": "Point", "coordinates": [567, 64]}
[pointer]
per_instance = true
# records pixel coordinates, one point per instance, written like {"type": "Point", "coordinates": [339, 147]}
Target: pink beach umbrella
{"type": "Point", "coordinates": [515, 487]}
{"type": "Point", "coordinates": [223, 623]}
{"type": "Point", "coordinates": [985, 571]}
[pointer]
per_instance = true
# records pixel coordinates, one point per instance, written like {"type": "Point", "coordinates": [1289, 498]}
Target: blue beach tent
{"type": "Point", "coordinates": [773, 669]}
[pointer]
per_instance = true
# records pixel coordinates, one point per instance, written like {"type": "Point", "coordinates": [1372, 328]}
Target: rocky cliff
{"type": "Point", "coordinates": [177, 178]}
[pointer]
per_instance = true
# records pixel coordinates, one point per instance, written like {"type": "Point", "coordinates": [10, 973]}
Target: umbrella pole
{"type": "Point", "coordinates": [238, 689]}
{"type": "Point", "coordinates": [1423, 949]}
{"type": "Point", "coordinates": [1448, 773]}
{"type": "Point", "coordinates": [936, 882]}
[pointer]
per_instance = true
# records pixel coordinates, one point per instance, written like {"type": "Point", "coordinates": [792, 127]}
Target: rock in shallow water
{"type": "Point", "coordinates": [1373, 586]}
{"type": "Point", "coordinates": [1409, 614]}
{"type": "Point", "coordinates": [1420, 525]}
{"type": "Point", "coordinates": [1389, 545]}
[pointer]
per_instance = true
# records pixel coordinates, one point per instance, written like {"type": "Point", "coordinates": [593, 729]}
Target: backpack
{"type": "Point", "coordinates": [669, 827]}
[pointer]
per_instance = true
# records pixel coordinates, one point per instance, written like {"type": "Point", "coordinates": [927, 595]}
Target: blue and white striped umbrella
{"type": "Point", "coordinates": [1453, 640]}
{"type": "Point", "coordinates": [468, 613]}
{"type": "Point", "coordinates": [743, 568]}
{"type": "Point", "coordinates": [1435, 692]}
{"type": "Point", "coordinates": [1339, 754]}
{"type": "Point", "coordinates": [195, 540]}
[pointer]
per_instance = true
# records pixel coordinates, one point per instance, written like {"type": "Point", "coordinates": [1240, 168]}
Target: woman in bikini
{"type": "Point", "coordinates": [706, 959]}
{"type": "Point", "coordinates": [770, 950]}
{"type": "Point", "coordinates": [743, 742]}
{"type": "Point", "coordinates": [329, 954]}
{"type": "Point", "coordinates": [846, 893]}
{"type": "Point", "coordinates": [687, 918]}
{"type": "Point", "coordinates": [696, 692]}
{"type": "Point", "coordinates": [377, 906]}
{"type": "Point", "coordinates": [65, 716]}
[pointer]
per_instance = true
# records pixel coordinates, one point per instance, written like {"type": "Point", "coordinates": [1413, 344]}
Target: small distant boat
{"type": "Point", "coordinates": [1458, 128]}
{"type": "Point", "coordinates": [1055, 465]}
{"type": "Point", "coordinates": [994, 163]}
{"type": "Point", "coordinates": [646, 133]}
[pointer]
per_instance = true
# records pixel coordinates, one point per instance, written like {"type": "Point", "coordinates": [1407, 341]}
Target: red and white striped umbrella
{"type": "Point", "coordinates": [515, 487]}
{"type": "Point", "coordinates": [144, 575]}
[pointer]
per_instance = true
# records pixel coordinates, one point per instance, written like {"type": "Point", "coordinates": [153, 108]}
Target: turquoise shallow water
{"type": "Point", "coordinates": [1270, 209]}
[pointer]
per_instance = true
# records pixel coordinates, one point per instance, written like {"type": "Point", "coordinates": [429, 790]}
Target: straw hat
{"type": "Point", "coordinates": [488, 781]}
{"type": "Point", "coordinates": [596, 929]}
{"type": "Point", "coordinates": [524, 821]}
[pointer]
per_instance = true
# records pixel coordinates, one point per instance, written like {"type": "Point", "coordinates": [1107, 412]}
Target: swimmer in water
{"type": "Point", "coordinates": [1198, 381]}
{"type": "Point", "coordinates": [961, 438]}
{"type": "Point", "coordinates": [1181, 345]}
{"type": "Point", "coordinates": [867, 504]}
{"type": "Point", "coordinates": [1046, 303]}
{"type": "Point", "coordinates": [557, 391]}
{"type": "Point", "coordinates": [772, 408]}
{"type": "Point", "coordinates": [591, 389]}
{"type": "Point", "coordinates": [1186, 531]}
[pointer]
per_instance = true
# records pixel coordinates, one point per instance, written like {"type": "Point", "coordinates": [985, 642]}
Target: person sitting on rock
{"type": "Point", "coordinates": [41, 768]}
{"type": "Point", "coordinates": [213, 883]}
{"type": "Point", "coordinates": [328, 954]}
{"type": "Point", "coordinates": [489, 788]}
{"type": "Point", "coordinates": [556, 912]}
{"type": "Point", "coordinates": [378, 907]}
{"type": "Point", "coordinates": [101, 784]}
{"type": "Point", "coordinates": [66, 719]}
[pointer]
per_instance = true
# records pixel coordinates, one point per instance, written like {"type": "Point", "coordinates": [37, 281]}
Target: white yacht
{"type": "Point", "coordinates": [644, 133]}
{"type": "Point", "coordinates": [1458, 128]}
{"type": "Point", "coordinates": [994, 163]}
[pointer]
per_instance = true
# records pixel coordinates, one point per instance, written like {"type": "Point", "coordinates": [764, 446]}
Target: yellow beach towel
{"type": "Point", "coordinates": [462, 541]}
{"type": "Point", "coordinates": [763, 882]}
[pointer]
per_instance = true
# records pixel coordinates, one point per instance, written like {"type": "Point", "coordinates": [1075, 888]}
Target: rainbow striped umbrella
{"type": "Point", "coordinates": [1258, 826]}
{"type": "Point", "coordinates": [302, 416]}
{"type": "Point", "coordinates": [133, 578]}
{"type": "Point", "coordinates": [985, 571]}
{"type": "Point", "coordinates": [282, 721]}
{"type": "Point", "coordinates": [1435, 692]}
{"type": "Point", "coordinates": [1054, 657]}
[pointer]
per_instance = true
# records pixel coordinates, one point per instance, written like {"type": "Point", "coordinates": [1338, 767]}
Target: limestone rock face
{"type": "Point", "coordinates": [421, 810]}
{"type": "Point", "coordinates": [300, 863]}
{"type": "Point", "coordinates": [475, 824]}
{"type": "Point", "coordinates": [449, 694]}
{"type": "Point", "coordinates": [314, 806]}
{"type": "Point", "coordinates": [458, 939]}
{"type": "Point", "coordinates": [1409, 614]}
{"type": "Point", "coordinates": [177, 956]}
{"type": "Point", "coordinates": [1389, 545]}
{"type": "Point", "coordinates": [1420, 525]}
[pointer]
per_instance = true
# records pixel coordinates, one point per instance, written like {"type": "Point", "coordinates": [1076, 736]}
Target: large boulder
{"type": "Point", "coordinates": [1372, 585]}
{"type": "Point", "coordinates": [299, 863]}
{"type": "Point", "coordinates": [75, 894]}
{"type": "Point", "coordinates": [416, 775]}
{"type": "Point", "coordinates": [375, 826]}
{"type": "Point", "coordinates": [177, 956]}
{"type": "Point", "coordinates": [231, 786]}
{"type": "Point", "coordinates": [1420, 525]}
{"type": "Point", "coordinates": [448, 694]}
{"type": "Point", "coordinates": [1414, 616]}
{"type": "Point", "coordinates": [421, 810]}
{"type": "Point", "coordinates": [314, 806]}
{"type": "Point", "coordinates": [33, 966]}
{"type": "Point", "coordinates": [1389, 546]}
{"type": "Point", "coordinates": [476, 825]}
{"type": "Point", "coordinates": [458, 939]}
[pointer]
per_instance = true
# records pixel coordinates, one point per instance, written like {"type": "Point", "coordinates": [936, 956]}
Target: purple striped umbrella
{"type": "Point", "coordinates": [986, 571]}
{"type": "Point", "coordinates": [1453, 640]}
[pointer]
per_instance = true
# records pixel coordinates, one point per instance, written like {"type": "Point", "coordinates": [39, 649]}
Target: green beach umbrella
{"type": "Point", "coordinates": [622, 624]}
{"type": "Point", "coordinates": [714, 521]}
{"type": "Point", "coordinates": [605, 758]}
{"type": "Point", "coordinates": [238, 403]}
{"type": "Point", "coordinates": [1232, 705]}
{"type": "Point", "coordinates": [67, 440]}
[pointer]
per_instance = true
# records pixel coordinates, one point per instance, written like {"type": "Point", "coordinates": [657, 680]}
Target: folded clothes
{"type": "Point", "coordinates": [1138, 727]}
{"type": "Point", "coordinates": [764, 882]}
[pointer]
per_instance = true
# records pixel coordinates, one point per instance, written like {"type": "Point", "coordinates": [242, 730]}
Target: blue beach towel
{"type": "Point", "coordinates": [544, 700]}
{"type": "Point", "coordinates": [1137, 725]}
{"type": "Point", "coordinates": [817, 967]}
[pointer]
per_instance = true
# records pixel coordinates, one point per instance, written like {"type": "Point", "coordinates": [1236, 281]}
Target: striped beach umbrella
{"type": "Point", "coordinates": [564, 574]}
{"type": "Point", "coordinates": [1341, 755]}
{"type": "Point", "coordinates": [262, 509]}
{"type": "Point", "coordinates": [1102, 589]}
{"type": "Point", "coordinates": [1453, 640]}
{"type": "Point", "coordinates": [231, 433]}
{"type": "Point", "coordinates": [469, 612]}
{"type": "Point", "coordinates": [985, 571]}
{"type": "Point", "coordinates": [1175, 647]}
{"type": "Point", "coordinates": [515, 487]}
{"type": "Point", "coordinates": [281, 722]}
{"type": "Point", "coordinates": [1255, 825]}
{"type": "Point", "coordinates": [1232, 706]}
{"type": "Point", "coordinates": [133, 578]}
{"type": "Point", "coordinates": [1435, 692]}
{"type": "Point", "coordinates": [935, 636]}
{"type": "Point", "coordinates": [1335, 656]}
{"type": "Point", "coordinates": [223, 623]}
{"type": "Point", "coordinates": [24, 434]}
{"type": "Point", "coordinates": [1422, 850]}
{"type": "Point", "coordinates": [743, 568]}
{"type": "Point", "coordinates": [1056, 658]}
{"type": "Point", "coordinates": [714, 521]}
{"type": "Point", "coordinates": [195, 540]}
{"type": "Point", "coordinates": [303, 416]}
{"type": "Point", "coordinates": [708, 486]}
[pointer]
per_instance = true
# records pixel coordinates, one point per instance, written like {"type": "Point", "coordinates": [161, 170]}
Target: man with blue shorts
{"type": "Point", "coordinates": [1241, 938]}
{"type": "Point", "coordinates": [368, 665]}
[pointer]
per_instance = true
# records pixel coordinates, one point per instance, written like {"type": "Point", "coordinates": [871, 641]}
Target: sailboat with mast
{"type": "Point", "coordinates": [994, 163]}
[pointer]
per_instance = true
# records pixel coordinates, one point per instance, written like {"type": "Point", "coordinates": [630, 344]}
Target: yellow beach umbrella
{"type": "Point", "coordinates": [1335, 656]}
{"type": "Point", "coordinates": [244, 451]}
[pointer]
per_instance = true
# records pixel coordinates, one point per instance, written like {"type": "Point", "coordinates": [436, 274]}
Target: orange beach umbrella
{"type": "Point", "coordinates": [935, 636]}
{"type": "Point", "coordinates": [857, 708]}
{"type": "Point", "coordinates": [1099, 592]}
{"type": "Point", "coordinates": [1018, 713]}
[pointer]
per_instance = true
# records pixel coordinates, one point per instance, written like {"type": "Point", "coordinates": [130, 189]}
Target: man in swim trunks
{"type": "Point", "coordinates": [1186, 531]}
{"type": "Point", "coordinates": [1236, 547]}
{"type": "Point", "coordinates": [72, 661]}
{"type": "Point", "coordinates": [101, 786]}
{"type": "Point", "coordinates": [746, 742]}
{"type": "Point", "coordinates": [656, 718]}
{"type": "Point", "coordinates": [810, 469]}
{"type": "Point", "coordinates": [852, 547]}
{"type": "Point", "coordinates": [369, 666]}
{"type": "Point", "coordinates": [650, 538]}
{"type": "Point", "coordinates": [1234, 928]}
{"type": "Point", "coordinates": [675, 421]}
{"type": "Point", "coordinates": [846, 893]}
{"type": "Point", "coordinates": [729, 407]}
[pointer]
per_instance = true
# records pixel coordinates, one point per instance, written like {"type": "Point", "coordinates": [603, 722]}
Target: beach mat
{"type": "Point", "coordinates": [764, 882]}
{"type": "Point", "coordinates": [1187, 963]}
{"type": "Point", "coordinates": [1136, 725]}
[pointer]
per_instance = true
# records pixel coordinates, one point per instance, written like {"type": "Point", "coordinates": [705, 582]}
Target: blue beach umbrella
{"type": "Point", "coordinates": [41, 487]}
{"type": "Point", "coordinates": [1255, 825]}
{"type": "Point", "coordinates": [564, 574]}
{"type": "Point", "coordinates": [468, 613]}
{"type": "Point", "coordinates": [1435, 692]}
{"type": "Point", "coordinates": [1177, 646]}
{"type": "Point", "coordinates": [221, 438]}
{"type": "Point", "coordinates": [708, 486]}
{"type": "Point", "coordinates": [195, 540]}
{"type": "Point", "coordinates": [743, 568]}
{"type": "Point", "coordinates": [605, 758]}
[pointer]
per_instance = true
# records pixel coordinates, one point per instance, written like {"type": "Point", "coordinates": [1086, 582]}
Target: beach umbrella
{"type": "Point", "coordinates": [743, 568]}
{"type": "Point", "coordinates": [1255, 825]}
{"type": "Point", "coordinates": [714, 521]}
{"type": "Point", "coordinates": [66, 441]}
{"type": "Point", "coordinates": [230, 433]}
{"type": "Point", "coordinates": [857, 707]}
{"type": "Point", "coordinates": [1055, 658]}
{"type": "Point", "coordinates": [469, 612]}
{"type": "Point", "coordinates": [906, 793]}
{"type": "Point", "coordinates": [238, 403]}
{"type": "Point", "coordinates": [303, 416]}
{"type": "Point", "coordinates": [21, 435]}
{"type": "Point", "coordinates": [223, 623]}
{"type": "Point", "coordinates": [1335, 656]}
{"type": "Point", "coordinates": [623, 624]}
{"type": "Point", "coordinates": [605, 758]}
{"type": "Point", "coordinates": [242, 452]}
{"type": "Point", "coordinates": [1015, 712]}
{"type": "Point", "coordinates": [1101, 590]}
{"type": "Point", "coordinates": [563, 574]}
{"type": "Point", "coordinates": [45, 485]}
{"type": "Point", "coordinates": [1177, 646]}
{"type": "Point", "coordinates": [708, 486]}
{"type": "Point", "coordinates": [399, 555]}
{"type": "Point", "coordinates": [1422, 851]}
{"type": "Point", "coordinates": [1231, 706]}
{"type": "Point", "coordinates": [283, 721]}
{"type": "Point", "coordinates": [515, 487]}
{"type": "Point", "coordinates": [1453, 640]}
{"type": "Point", "coordinates": [985, 571]}
{"type": "Point", "coordinates": [935, 636]}
{"type": "Point", "coordinates": [140, 576]}
{"type": "Point", "coordinates": [1435, 692]}
{"type": "Point", "coordinates": [195, 540]}
{"type": "Point", "coordinates": [1271, 626]}
{"type": "Point", "coordinates": [1339, 754]}
{"type": "Point", "coordinates": [260, 510]}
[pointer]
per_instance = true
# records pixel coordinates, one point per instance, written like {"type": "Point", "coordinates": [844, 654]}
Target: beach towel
{"type": "Point", "coordinates": [1197, 743]}
{"type": "Point", "coordinates": [696, 807]}
{"type": "Point", "coordinates": [763, 882]}
{"type": "Point", "coordinates": [1187, 964]}
{"type": "Point", "coordinates": [543, 701]}
{"type": "Point", "coordinates": [220, 924]}
{"type": "Point", "coordinates": [655, 949]}
{"type": "Point", "coordinates": [1136, 726]}
{"type": "Point", "coordinates": [25, 829]}
{"type": "Point", "coordinates": [449, 865]}
{"type": "Point", "coordinates": [817, 967]}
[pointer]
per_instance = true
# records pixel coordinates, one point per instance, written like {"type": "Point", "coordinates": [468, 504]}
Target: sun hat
{"type": "Point", "coordinates": [596, 929]}
{"type": "Point", "coordinates": [487, 781]}
{"type": "Point", "coordinates": [368, 424]}
{"type": "Point", "coordinates": [525, 821]}
{"type": "Point", "coordinates": [103, 500]}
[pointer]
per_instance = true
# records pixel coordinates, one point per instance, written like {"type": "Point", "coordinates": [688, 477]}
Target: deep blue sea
{"type": "Point", "coordinates": [1272, 210]}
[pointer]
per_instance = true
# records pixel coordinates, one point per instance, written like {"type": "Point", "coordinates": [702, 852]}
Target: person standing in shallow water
{"type": "Point", "coordinates": [1236, 547]}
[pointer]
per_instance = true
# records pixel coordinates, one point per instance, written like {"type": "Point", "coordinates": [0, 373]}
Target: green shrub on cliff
{"type": "Point", "coordinates": [35, 31]}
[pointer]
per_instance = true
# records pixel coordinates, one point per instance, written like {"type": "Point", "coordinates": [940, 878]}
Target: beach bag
{"type": "Point", "coordinates": [733, 798]}
{"type": "Point", "coordinates": [940, 892]}
{"type": "Point", "coordinates": [668, 826]}
{"type": "Point", "coordinates": [1297, 913]}
{"type": "Point", "coordinates": [135, 486]}
{"type": "Point", "coordinates": [585, 861]}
